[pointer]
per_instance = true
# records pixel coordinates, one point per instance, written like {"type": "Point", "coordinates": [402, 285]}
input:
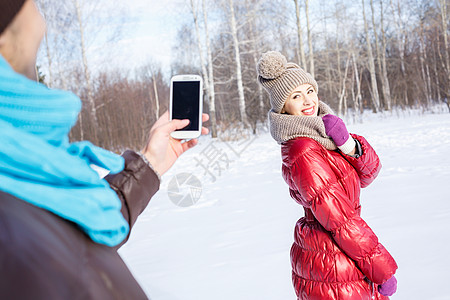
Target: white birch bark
{"type": "Point", "coordinates": [211, 93]}
{"type": "Point", "coordinates": [338, 64]}
{"type": "Point", "coordinates": [443, 9]}
{"type": "Point", "coordinates": [155, 90]}
{"type": "Point", "coordinates": [87, 76]}
{"type": "Point", "coordinates": [207, 67]}
{"type": "Point", "coordinates": [384, 76]}
{"type": "Point", "coordinates": [255, 54]}
{"type": "Point", "coordinates": [377, 47]}
{"type": "Point", "coordinates": [401, 38]}
{"type": "Point", "coordinates": [343, 91]}
{"type": "Point", "coordinates": [200, 47]}
{"type": "Point", "coordinates": [237, 55]}
{"type": "Point", "coordinates": [373, 78]}
{"type": "Point", "coordinates": [357, 99]}
{"type": "Point", "coordinates": [311, 51]}
{"type": "Point", "coordinates": [424, 67]}
{"type": "Point", "coordinates": [436, 75]}
{"type": "Point", "coordinates": [44, 8]}
{"type": "Point", "coordinates": [301, 50]}
{"type": "Point", "coordinates": [378, 54]}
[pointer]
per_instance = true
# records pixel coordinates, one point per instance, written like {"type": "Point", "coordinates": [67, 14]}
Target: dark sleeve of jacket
{"type": "Point", "coordinates": [135, 186]}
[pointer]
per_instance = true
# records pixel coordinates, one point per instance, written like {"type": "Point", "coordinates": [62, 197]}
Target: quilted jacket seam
{"type": "Point", "coordinates": [327, 186]}
{"type": "Point", "coordinates": [328, 282]}
{"type": "Point", "coordinates": [334, 230]}
{"type": "Point", "coordinates": [369, 254]}
{"type": "Point", "coordinates": [319, 251]}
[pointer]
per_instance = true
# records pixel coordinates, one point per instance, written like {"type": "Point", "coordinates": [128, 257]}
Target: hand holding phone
{"type": "Point", "coordinates": [161, 150]}
{"type": "Point", "coordinates": [186, 102]}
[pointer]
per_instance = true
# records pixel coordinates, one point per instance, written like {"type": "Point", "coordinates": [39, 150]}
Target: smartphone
{"type": "Point", "coordinates": [186, 102]}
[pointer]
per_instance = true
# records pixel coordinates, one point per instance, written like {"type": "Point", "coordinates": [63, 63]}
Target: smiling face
{"type": "Point", "coordinates": [303, 101]}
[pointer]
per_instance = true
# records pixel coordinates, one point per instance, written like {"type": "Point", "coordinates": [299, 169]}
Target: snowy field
{"type": "Point", "coordinates": [234, 242]}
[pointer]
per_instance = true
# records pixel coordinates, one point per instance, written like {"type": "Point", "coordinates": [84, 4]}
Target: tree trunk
{"type": "Point", "coordinates": [373, 78]}
{"type": "Point", "coordinates": [436, 74]}
{"type": "Point", "coordinates": [443, 8]}
{"type": "Point", "coordinates": [357, 99]}
{"type": "Point", "coordinates": [155, 90]}
{"type": "Point", "coordinates": [301, 55]}
{"type": "Point", "coordinates": [256, 50]}
{"type": "Point", "coordinates": [237, 55]}
{"type": "Point", "coordinates": [338, 66]}
{"type": "Point", "coordinates": [47, 48]}
{"type": "Point", "coordinates": [212, 93]}
{"type": "Point", "coordinates": [377, 48]}
{"type": "Point", "coordinates": [329, 78]}
{"type": "Point", "coordinates": [424, 67]}
{"type": "Point", "coordinates": [49, 58]}
{"type": "Point", "coordinates": [342, 96]}
{"type": "Point", "coordinates": [311, 52]}
{"type": "Point", "coordinates": [87, 76]}
{"type": "Point", "coordinates": [401, 47]}
{"type": "Point", "coordinates": [384, 76]}
{"type": "Point", "coordinates": [207, 67]}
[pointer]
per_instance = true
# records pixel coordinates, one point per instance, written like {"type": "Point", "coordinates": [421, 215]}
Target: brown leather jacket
{"type": "Point", "coordinates": [43, 256]}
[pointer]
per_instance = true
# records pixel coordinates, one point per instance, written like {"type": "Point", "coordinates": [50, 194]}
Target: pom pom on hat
{"type": "Point", "coordinates": [271, 65]}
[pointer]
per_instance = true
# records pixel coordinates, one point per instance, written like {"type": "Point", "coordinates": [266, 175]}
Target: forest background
{"type": "Point", "coordinates": [378, 55]}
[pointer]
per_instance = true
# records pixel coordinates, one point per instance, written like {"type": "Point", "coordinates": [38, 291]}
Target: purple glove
{"type": "Point", "coordinates": [336, 130]}
{"type": "Point", "coordinates": [389, 287]}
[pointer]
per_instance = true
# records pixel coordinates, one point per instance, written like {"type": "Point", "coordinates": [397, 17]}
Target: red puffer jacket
{"type": "Point", "coordinates": [335, 254]}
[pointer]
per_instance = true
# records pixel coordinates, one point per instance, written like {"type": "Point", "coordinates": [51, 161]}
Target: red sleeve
{"type": "Point", "coordinates": [367, 165]}
{"type": "Point", "coordinates": [318, 184]}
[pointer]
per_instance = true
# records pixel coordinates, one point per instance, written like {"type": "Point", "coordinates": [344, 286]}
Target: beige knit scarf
{"type": "Point", "coordinates": [284, 127]}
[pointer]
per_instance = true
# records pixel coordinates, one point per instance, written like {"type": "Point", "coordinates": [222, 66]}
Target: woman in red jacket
{"type": "Point", "coordinates": [335, 254]}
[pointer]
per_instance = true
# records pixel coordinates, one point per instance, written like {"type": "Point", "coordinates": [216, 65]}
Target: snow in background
{"type": "Point", "coordinates": [234, 243]}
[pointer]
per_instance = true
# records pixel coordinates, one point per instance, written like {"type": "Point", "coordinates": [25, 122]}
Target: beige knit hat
{"type": "Point", "coordinates": [279, 78]}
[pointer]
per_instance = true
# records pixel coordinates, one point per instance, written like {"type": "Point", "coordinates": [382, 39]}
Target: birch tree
{"type": "Point", "coordinates": [87, 75]}
{"type": "Point", "coordinates": [328, 75]}
{"type": "Point", "coordinates": [356, 98]}
{"type": "Point", "coordinates": [44, 11]}
{"type": "Point", "coordinates": [401, 44]}
{"type": "Point", "coordinates": [152, 84]}
{"type": "Point", "coordinates": [301, 49]}
{"type": "Point", "coordinates": [384, 75]}
{"type": "Point", "coordinates": [342, 98]}
{"type": "Point", "coordinates": [373, 78]}
{"type": "Point", "coordinates": [237, 57]}
{"type": "Point", "coordinates": [207, 66]}
{"type": "Point", "coordinates": [425, 69]}
{"type": "Point", "coordinates": [444, 21]}
{"type": "Point", "coordinates": [380, 55]}
{"type": "Point", "coordinates": [254, 39]}
{"type": "Point", "coordinates": [211, 92]}
{"type": "Point", "coordinates": [310, 45]}
{"type": "Point", "coordinates": [59, 41]}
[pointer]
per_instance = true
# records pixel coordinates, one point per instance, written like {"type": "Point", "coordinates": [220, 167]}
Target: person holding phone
{"type": "Point", "coordinates": [335, 254]}
{"type": "Point", "coordinates": [60, 222]}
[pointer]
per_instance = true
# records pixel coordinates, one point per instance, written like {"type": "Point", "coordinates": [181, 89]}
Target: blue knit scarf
{"type": "Point", "coordinates": [40, 166]}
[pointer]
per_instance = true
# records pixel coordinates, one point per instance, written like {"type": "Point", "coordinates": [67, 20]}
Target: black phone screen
{"type": "Point", "coordinates": [186, 103]}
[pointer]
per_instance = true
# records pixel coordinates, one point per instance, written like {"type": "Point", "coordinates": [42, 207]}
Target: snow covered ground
{"type": "Point", "coordinates": [234, 242]}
